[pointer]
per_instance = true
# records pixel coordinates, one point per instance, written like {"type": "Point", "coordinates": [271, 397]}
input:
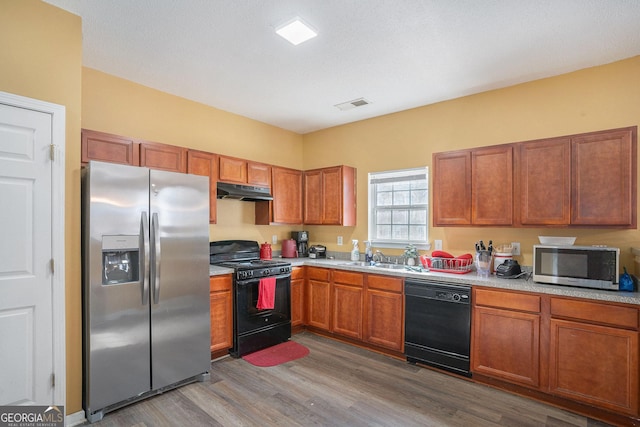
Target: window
{"type": "Point", "coordinates": [399, 208]}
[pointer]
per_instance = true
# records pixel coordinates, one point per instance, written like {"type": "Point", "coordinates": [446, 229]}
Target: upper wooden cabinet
{"type": "Point", "coordinates": [286, 207]}
{"type": "Point", "coordinates": [242, 171]}
{"type": "Point", "coordinates": [258, 174]}
{"type": "Point", "coordinates": [577, 180]}
{"type": "Point", "coordinates": [603, 166]}
{"type": "Point", "coordinates": [163, 156]}
{"type": "Point", "coordinates": [330, 196]}
{"type": "Point", "coordinates": [492, 185]}
{"type": "Point", "coordinates": [109, 148]}
{"type": "Point", "coordinates": [543, 181]}
{"type": "Point", "coordinates": [452, 188]}
{"type": "Point", "coordinates": [206, 164]}
{"type": "Point", "coordinates": [473, 187]}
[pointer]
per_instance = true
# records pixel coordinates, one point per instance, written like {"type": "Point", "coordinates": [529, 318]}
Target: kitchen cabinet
{"type": "Point", "coordinates": [240, 171]}
{"type": "Point", "coordinates": [604, 178]}
{"type": "Point", "coordinates": [330, 196]}
{"type": "Point", "coordinates": [506, 336]}
{"type": "Point", "coordinates": [206, 164]}
{"type": "Point", "coordinates": [473, 187]}
{"type": "Point", "coordinates": [318, 298]}
{"type": "Point", "coordinates": [347, 303]}
{"type": "Point", "coordinates": [221, 300]}
{"type": "Point", "coordinates": [106, 147]}
{"type": "Point", "coordinates": [286, 207]}
{"type": "Point", "coordinates": [297, 297]}
{"type": "Point", "coordinates": [231, 169]}
{"type": "Point", "coordinates": [163, 156]}
{"type": "Point", "coordinates": [452, 188]}
{"type": "Point", "coordinates": [258, 174]}
{"type": "Point", "coordinates": [594, 354]}
{"type": "Point", "coordinates": [492, 185]}
{"type": "Point", "coordinates": [544, 182]}
{"type": "Point", "coordinates": [384, 312]}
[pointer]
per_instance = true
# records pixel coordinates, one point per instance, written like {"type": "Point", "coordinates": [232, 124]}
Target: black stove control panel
{"type": "Point", "coordinates": [263, 272]}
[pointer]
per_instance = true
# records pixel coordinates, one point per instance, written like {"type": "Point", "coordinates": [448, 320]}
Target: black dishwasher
{"type": "Point", "coordinates": [438, 324]}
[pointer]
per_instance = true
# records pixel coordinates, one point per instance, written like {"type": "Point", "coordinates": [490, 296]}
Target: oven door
{"type": "Point", "coordinates": [256, 329]}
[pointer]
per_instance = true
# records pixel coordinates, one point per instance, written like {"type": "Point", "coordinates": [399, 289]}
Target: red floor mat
{"type": "Point", "coordinates": [281, 353]}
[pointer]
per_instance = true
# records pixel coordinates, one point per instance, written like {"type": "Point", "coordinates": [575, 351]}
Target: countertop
{"type": "Point", "coordinates": [467, 279]}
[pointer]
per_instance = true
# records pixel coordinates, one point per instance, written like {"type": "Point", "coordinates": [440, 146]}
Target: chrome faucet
{"type": "Point", "coordinates": [378, 257]}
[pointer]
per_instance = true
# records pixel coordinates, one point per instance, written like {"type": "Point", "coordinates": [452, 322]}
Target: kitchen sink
{"type": "Point", "coordinates": [390, 266]}
{"type": "Point", "coordinates": [358, 263]}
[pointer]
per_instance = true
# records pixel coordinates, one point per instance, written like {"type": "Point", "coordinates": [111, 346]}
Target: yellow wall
{"type": "Point", "coordinates": [592, 99]}
{"type": "Point", "coordinates": [42, 59]}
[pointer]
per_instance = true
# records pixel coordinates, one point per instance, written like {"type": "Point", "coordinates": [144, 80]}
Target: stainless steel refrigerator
{"type": "Point", "coordinates": [146, 321]}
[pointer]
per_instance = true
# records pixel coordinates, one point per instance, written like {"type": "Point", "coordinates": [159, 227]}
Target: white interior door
{"type": "Point", "coordinates": [26, 275]}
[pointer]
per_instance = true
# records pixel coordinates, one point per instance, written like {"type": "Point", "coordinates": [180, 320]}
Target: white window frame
{"type": "Point", "coordinates": [389, 176]}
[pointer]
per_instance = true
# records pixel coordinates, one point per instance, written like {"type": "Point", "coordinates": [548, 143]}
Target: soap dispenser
{"type": "Point", "coordinates": [355, 252]}
{"type": "Point", "coordinates": [368, 252]}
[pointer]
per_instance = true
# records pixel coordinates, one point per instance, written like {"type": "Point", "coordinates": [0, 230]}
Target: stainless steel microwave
{"type": "Point", "coordinates": [583, 266]}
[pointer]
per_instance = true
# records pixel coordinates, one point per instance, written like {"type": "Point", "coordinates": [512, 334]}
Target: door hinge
{"type": "Point", "coordinates": [53, 380]}
{"type": "Point", "coordinates": [52, 152]}
{"type": "Point", "coordinates": [53, 266]}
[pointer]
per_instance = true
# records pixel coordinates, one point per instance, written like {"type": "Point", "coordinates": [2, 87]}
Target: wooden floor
{"type": "Point", "coordinates": [337, 385]}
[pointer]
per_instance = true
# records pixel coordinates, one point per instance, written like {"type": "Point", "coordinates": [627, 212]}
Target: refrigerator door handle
{"type": "Point", "coordinates": [155, 267]}
{"type": "Point", "coordinates": [144, 260]}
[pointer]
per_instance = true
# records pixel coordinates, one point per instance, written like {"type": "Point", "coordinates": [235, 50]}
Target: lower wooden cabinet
{"type": "Point", "coordinates": [384, 313]}
{"type": "Point", "coordinates": [318, 298]}
{"type": "Point", "coordinates": [221, 298]}
{"type": "Point", "coordinates": [594, 363]}
{"type": "Point", "coordinates": [347, 303]}
{"type": "Point", "coordinates": [297, 296]}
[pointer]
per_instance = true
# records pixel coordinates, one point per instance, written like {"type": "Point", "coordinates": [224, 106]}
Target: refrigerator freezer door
{"type": "Point", "coordinates": [180, 325]}
{"type": "Point", "coordinates": [116, 318]}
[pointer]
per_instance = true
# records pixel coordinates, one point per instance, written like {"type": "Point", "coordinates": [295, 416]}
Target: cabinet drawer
{"type": "Point", "coordinates": [321, 274]}
{"type": "Point", "coordinates": [346, 278]}
{"type": "Point", "coordinates": [220, 283]}
{"type": "Point", "coordinates": [384, 283]}
{"type": "Point", "coordinates": [509, 300]}
{"type": "Point", "coordinates": [297, 273]}
{"type": "Point", "coordinates": [593, 312]}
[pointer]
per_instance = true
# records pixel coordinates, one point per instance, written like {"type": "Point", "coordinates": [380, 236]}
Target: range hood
{"type": "Point", "coordinates": [243, 192]}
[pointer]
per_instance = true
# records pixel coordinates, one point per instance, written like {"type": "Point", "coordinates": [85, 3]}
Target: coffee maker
{"type": "Point", "coordinates": [302, 241]}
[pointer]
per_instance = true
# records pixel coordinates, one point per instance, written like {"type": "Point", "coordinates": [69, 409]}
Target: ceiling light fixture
{"type": "Point", "coordinates": [296, 31]}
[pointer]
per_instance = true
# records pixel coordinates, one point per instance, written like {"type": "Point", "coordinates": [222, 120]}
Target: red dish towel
{"type": "Point", "coordinates": [266, 293]}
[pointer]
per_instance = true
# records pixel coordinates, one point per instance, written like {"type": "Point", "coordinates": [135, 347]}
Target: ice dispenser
{"type": "Point", "coordinates": [120, 259]}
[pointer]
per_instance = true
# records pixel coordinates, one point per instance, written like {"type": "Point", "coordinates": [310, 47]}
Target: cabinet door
{"type": "Point", "coordinates": [318, 300]}
{"type": "Point", "coordinates": [332, 196]}
{"type": "Point", "coordinates": [313, 197]}
{"type": "Point", "coordinates": [604, 178]}
{"type": "Point", "coordinates": [163, 157]}
{"type": "Point", "coordinates": [384, 324]}
{"type": "Point", "coordinates": [221, 312]}
{"type": "Point", "coordinates": [232, 170]}
{"type": "Point", "coordinates": [287, 195]}
{"type": "Point", "coordinates": [544, 182]}
{"type": "Point", "coordinates": [506, 345]}
{"type": "Point", "coordinates": [258, 174]}
{"type": "Point", "coordinates": [109, 148]}
{"type": "Point", "coordinates": [297, 296]}
{"type": "Point", "coordinates": [206, 164]}
{"type": "Point", "coordinates": [492, 186]}
{"type": "Point", "coordinates": [452, 188]}
{"type": "Point", "coordinates": [347, 310]}
{"type": "Point", "coordinates": [597, 365]}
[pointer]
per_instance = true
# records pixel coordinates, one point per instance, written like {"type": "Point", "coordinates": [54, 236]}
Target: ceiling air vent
{"type": "Point", "coordinates": [352, 104]}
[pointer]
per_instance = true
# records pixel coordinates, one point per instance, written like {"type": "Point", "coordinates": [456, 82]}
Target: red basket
{"type": "Point", "coordinates": [447, 265]}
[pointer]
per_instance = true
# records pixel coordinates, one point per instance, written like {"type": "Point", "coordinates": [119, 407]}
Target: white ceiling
{"type": "Point", "coordinates": [397, 54]}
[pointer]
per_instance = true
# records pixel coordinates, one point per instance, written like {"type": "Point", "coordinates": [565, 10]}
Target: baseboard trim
{"type": "Point", "coordinates": [75, 419]}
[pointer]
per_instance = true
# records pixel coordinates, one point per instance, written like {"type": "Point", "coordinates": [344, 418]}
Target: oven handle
{"type": "Point", "coordinates": [253, 280]}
